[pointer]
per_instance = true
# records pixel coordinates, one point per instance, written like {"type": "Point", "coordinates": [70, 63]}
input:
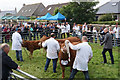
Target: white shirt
{"type": "Point", "coordinates": [63, 29]}
{"type": "Point", "coordinates": [68, 28]}
{"type": "Point", "coordinates": [84, 28]}
{"type": "Point", "coordinates": [83, 54]}
{"type": "Point", "coordinates": [117, 34]}
{"type": "Point", "coordinates": [77, 29]}
{"type": "Point", "coordinates": [16, 41]}
{"type": "Point", "coordinates": [52, 48]}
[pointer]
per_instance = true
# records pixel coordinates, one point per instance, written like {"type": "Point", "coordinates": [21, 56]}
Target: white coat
{"type": "Point", "coordinates": [16, 41]}
{"type": "Point", "coordinates": [117, 34]}
{"type": "Point", "coordinates": [63, 29]}
{"type": "Point", "coordinates": [67, 28]}
{"type": "Point", "coordinates": [83, 54]}
{"type": "Point", "coordinates": [52, 48]}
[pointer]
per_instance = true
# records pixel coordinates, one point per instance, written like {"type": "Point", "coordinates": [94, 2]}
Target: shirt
{"type": "Point", "coordinates": [63, 29]}
{"type": "Point", "coordinates": [68, 28]}
{"type": "Point", "coordinates": [52, 48]}
{"type": "Point", "coordinates": [83, 54]}
{"type": "Point", "coordinates": [117, 30]}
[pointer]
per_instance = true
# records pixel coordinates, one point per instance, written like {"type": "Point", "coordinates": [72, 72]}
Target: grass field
{"type": "Point", "coordinates": [96, 68]}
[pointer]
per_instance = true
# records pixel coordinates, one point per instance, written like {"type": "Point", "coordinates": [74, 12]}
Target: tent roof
{"type": "Point", "coordinates": [58, 16]}
{"type": "Point", "coordinates": [45, 17]}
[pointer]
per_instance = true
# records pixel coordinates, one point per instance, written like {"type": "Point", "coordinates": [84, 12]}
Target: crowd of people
{"type": "Point", "coordinates": [37, 30]}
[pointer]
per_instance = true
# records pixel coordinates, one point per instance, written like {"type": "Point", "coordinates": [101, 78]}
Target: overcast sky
{"type": "Point", "coordinates": [11, 4]}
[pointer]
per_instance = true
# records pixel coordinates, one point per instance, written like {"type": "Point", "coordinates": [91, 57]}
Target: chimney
{"type": "Point", "coordinates": [15, 9]}
{"type": "Point", "coordinates": [23, 4]}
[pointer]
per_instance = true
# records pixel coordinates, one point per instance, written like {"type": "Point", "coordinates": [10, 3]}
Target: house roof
{"type": "Point", "coordinates": [112, 6]}
{"type": "Point", "coordinates": [31, 10]}
{"type": "Point", "coordinates": [50, 8]}
{"type": "Point", "coordinates": [3, 13]}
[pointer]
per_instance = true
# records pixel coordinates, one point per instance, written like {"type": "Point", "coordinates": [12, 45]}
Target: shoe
{"type": "Point", "coordinates": [45, 70]}
{"type": "Point", "coordinates": [18, 60]}
{"type": "Point", "coordinates": [54, 72]}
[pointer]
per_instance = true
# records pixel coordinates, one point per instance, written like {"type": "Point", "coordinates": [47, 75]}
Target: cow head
{"type": "Point", "coordinates": [44, 38]}
{"type": "Point", "coordinates": [24, 43]}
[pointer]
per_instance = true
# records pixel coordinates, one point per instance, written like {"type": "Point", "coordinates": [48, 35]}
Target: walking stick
{"type": "Point", "coordinates": [26, 52]}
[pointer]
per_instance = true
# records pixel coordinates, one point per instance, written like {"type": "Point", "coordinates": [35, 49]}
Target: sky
{"type": "Point", "coordinates": [11, 4]}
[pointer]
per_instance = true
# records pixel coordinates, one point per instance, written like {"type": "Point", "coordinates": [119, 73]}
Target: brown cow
{"type": "Point", "coordinates": [63, 57]}
{"type": "Point", "coordinates": [71, 39]}
{"type": "Point", "coordinates": [33, 45]}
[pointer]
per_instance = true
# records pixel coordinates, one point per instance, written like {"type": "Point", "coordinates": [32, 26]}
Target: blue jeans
{"type": "Point", "coordinates": [19, 55]}
{"type": "Point", "coordinates": [54, 64]}
{"type": "Point", "coordinates": [111, 55]}
{"type": "Point", "coordinates": [74, 71]}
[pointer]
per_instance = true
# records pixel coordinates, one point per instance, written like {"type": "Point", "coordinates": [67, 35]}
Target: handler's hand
{"type": "Point", "coordinates": [18, 67]}
{"type": "Point", "coordinates": [67, 41]}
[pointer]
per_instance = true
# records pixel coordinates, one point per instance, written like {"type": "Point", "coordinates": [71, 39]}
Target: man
{"type": "Point", "coordinates": [84, 29]}
{"type": "Point", "coordinates": [116, 30]}
{"type": "Point", "coordinates": [67, 29]}
{"type": "Point", "coordinates": [7, 63]}
{"type": "Point", "coordinates": [16, 44]}
{"type": "Point", "coordinates": [62, 30]}
{"type": "Point", "coordinates": [108, 45]}
{"type": "Point", "coordinates": [83, 56]}
{"type": "Point", "coordinates": [52, 50]}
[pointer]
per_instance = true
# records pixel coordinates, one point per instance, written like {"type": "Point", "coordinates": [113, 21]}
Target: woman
{"type": "Point", "coordinates": [95, 34]}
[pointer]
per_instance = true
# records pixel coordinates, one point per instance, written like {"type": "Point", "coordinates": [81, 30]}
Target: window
{"type": "Point", "coordinates": [49, 8]}
{"type": "Point", "coordinates": [29, 10]}
{"type": "Point", "coordinates": [114, 4]}
{"type": "Point", "coordinates": [25, 10]}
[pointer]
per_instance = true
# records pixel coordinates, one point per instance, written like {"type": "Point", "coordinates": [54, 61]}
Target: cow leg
{"type": "Point", "coordinates": [71, 68]}
{"type": "Point", "coordinates": [31, 55]}
{"type": "Point", "coordinates": [40, 51]}
{"type": "Point", "coordinates": [63, 71]}
{"type": "Point", "coordinates": [44, 50]}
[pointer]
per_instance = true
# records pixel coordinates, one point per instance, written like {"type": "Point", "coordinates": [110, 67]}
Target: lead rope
{"type": "Point", "coordinates": [68, 51]}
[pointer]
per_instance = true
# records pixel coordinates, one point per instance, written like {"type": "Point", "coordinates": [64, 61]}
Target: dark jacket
{"type": "Point", "coordinates": [107, 41]}
{"type": "Point", "coordinates": [7, 65]}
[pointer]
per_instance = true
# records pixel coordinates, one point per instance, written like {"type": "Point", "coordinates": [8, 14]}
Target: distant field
{"type": "Point", "coordinates": [96, 68]}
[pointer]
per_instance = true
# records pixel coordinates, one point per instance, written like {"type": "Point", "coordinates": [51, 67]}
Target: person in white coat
{"type": "Point", "coordinates": [67, 29]}
{"type": "Point", "coordinates": [116, 31]}
{"type": "Point", "coordinates": [52, 52]}
{"type": "Point", "coordinates": [16, 44]}
{"type": "Point", "coordinates": [83, 56]}
{"type": "Point", "coordinates": [63, 29]}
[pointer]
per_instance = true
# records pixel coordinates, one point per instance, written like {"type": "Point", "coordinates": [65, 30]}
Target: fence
{"type": "Point", "coordinates": [15, 76]}
{"type": "Point", "coordinates": [6, 37]}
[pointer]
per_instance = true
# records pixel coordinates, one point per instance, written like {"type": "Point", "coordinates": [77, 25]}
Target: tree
{"type": "Point", "coordinates": [79, 13]}
{"type": "Point", "coordinates": [56, 11]}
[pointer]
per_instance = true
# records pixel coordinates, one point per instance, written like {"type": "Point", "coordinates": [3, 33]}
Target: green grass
{"type": "Point", "coordinates": [96, 68]}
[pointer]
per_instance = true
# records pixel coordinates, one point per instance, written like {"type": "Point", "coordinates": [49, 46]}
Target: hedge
{"type": "Point", "coordinates": [106, 22]}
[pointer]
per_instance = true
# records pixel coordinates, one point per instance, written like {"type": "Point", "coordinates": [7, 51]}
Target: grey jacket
{"type": "Point", "coordinates": [107, 41]}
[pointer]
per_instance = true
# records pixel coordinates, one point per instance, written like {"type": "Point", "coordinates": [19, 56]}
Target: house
{"type": "Point", "coordinates": [51, 8]}
{"type": "Point", "coordinates": [8, 13]}
{"type": "Point", "coordinates": [31, 10]}
{"type": "Point", "coordinates": [111, 7]}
